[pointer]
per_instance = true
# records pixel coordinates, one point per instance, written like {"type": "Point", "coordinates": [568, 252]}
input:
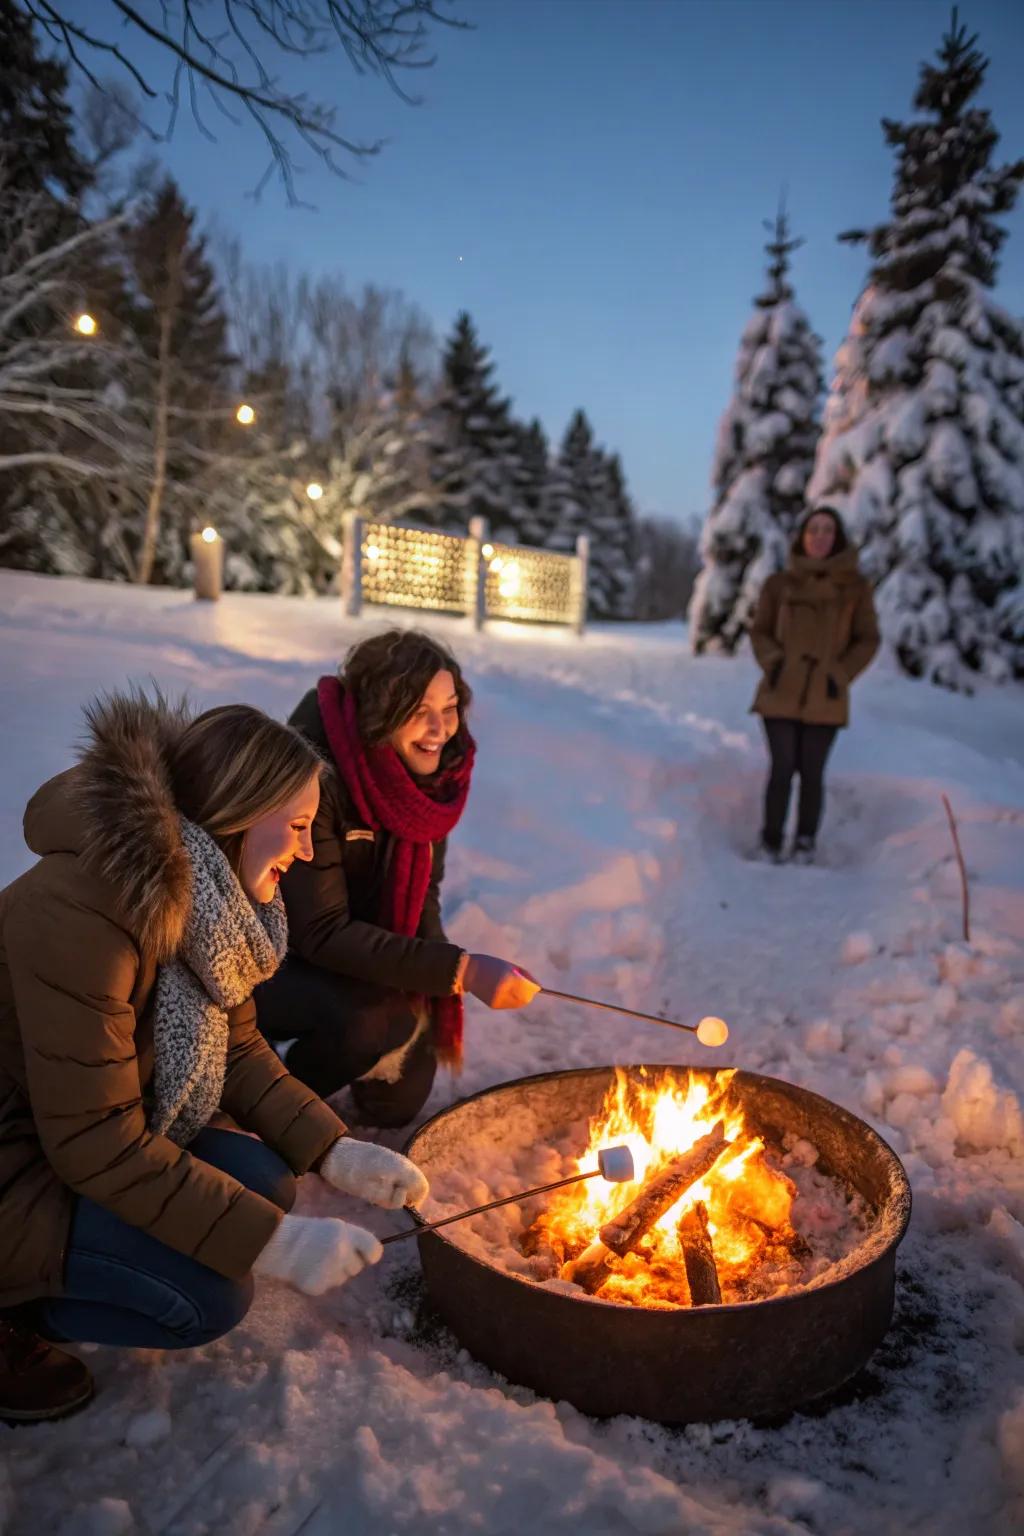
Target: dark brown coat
{"type": "Point", "coordinates": [332, 903]}
{"type": "Point", "coordinates": [814, 631]}
{"type": "Point", "coordinates": [82, 934]}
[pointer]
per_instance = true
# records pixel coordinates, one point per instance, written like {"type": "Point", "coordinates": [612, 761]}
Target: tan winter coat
{"type": "Point", "coordinates": [814, 631]}
{"type": "Point", "coordinates": [81, 936]}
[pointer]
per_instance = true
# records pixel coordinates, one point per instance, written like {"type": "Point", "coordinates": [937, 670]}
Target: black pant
{"type": "Point", "coordinates": [342, 1028]}
{"type": "Point", "coordinates": [795, 747]}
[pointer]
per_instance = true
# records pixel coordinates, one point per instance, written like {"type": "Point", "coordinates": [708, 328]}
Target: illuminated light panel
{"type": "Point", "coordinates": [533, 585]}
{"type": "Point", "coordinates": [422, 568]}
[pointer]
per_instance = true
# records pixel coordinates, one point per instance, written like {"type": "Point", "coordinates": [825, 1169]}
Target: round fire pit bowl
{"type": "Point", "coordinates": [755, 1360]}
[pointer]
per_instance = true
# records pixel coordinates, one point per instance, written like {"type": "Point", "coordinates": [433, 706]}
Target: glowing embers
{"type": "Point", "coordinates": [530, 584]}
{"type": "Point", "coordinates": [413, 568]}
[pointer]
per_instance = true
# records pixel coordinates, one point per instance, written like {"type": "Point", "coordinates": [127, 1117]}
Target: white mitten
{"type": "Point", "coordinates": [374, 1173]}
{"type": "Point", "coordinates": [316, 1253]}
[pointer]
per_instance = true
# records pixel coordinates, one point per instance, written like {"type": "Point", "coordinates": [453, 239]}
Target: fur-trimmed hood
{"type": "Point", "coordinates": [116, 812]}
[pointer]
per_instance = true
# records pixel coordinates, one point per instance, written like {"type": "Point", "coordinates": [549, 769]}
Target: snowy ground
{"type": "Point", "coordinates": [615, 798]}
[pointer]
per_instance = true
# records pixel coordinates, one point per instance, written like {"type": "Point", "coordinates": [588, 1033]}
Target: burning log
{"type": "Point", "coordinates": [699, 1257]}
{"type": "Point", "coordinates": [628, 1229]}
{"type": "Point", "coordinates": [548, 1249]}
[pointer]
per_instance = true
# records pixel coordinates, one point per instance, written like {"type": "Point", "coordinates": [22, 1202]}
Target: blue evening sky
{"type": "Point", "coordinates": [602, 167]}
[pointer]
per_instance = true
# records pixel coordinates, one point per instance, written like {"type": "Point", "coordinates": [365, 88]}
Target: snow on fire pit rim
{"type": "Point", "coordinates": [886, 1235]}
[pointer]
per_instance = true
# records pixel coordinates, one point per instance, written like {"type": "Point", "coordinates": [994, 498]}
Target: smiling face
{"type": "Point", "coordinates": [274, 842]}
{"type": "Point", "coordinates": [819, 536]}
{"type": "Point", "coordinates": [420, 739]}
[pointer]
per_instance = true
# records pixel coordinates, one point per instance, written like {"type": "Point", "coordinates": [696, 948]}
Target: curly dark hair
{"type": "Point", "coordinates": [388, 675]}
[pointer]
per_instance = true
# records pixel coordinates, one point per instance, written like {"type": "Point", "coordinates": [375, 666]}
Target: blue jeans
{"type": "Point", "coordinates": [123, 1287]}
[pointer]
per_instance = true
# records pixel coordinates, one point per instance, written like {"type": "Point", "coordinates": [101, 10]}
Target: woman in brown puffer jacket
{"type": "Point", "coordinates": [128, 957]}
{"type": "Point", "coordinates": [814, 631]}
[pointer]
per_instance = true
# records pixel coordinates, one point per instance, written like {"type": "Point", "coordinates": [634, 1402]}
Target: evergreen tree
{"type": "Point", "coordinates": [531, 474]}
{"type": "Point", "coordinates": [923, 446]}
{"type": "Point", "coordinates": [182, 331]}
{"type": "Point", "coordinates": [576, 482]}
{"type": "Point", "coordinates": [763, 456]}
{"type": "Point", "coordinates": [613, 547]}
{"type": "Point", "coordinates": [35, 118]}
{"type": "Point", "coordinates": [474, 458]}
{"type": "Point", "coordinates": [587, 494]}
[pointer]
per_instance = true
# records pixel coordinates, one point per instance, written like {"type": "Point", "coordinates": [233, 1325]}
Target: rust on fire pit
{"type": "Point", "coordinates": [671, 1354]}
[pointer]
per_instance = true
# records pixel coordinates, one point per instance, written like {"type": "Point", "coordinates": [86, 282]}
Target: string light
{"type": "Point", "coordinates": [85, 324]}
{"type": "Point", "coordinates": [487, 551]}
{"type": "Point", "coordinates": [314, 490]}
{"type": "Point", "coordinates": [245, 415]}
{"type": "Point", "coordinates": [209, 535]}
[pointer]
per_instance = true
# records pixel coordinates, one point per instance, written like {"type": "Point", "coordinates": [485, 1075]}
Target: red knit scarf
{"type": "Point", "coordinates": [387, 796]}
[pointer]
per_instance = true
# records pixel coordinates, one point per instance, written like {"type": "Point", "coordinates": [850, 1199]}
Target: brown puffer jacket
{"type": "Point", "coordinates": [81, 936]}
{"type": "Point", "coordinates": [814, 631]}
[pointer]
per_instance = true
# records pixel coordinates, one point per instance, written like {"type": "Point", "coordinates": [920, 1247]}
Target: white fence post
{"type": "Point", "coordinates": [353, 527]}
{"type": "Point", "coordinates": [581, 576]}
{"type": "Point", "coordinates": [476, 571]}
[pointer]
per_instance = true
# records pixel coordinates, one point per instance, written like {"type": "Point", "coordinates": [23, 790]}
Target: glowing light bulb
{"type": "Point", "coordinates": [209, 535]}
{"type": "Point", "coordinates": [85, 325]}
{"type": "Point", "coordinates": [487, 551]}
{"type": "Point", "coordinates": [314, 490]}
{"type": "Point", "coordinates": [245, 415]}
{"type": "Point", "coordinates": [372, 552]}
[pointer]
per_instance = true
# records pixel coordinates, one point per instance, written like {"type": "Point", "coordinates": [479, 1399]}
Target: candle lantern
{"type": "Point", "coordinates": [208, 564]}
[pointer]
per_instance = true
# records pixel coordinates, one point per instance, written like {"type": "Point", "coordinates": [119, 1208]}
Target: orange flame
{"type": "Point", "coordinates": [748, 1201]}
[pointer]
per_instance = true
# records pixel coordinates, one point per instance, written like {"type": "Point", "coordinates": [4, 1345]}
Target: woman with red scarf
{"type": "Point", "coordinates": [371, 992]}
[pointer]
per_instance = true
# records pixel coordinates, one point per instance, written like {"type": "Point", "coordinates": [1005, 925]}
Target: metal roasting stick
{"type": "Point", "coordinates": [592, 1002]}
{"type": "Point", "coordinates": [614, 1164]}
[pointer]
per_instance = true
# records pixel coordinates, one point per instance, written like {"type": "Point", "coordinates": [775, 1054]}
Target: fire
{"type": "Point", "coordinates": [748, 1202]}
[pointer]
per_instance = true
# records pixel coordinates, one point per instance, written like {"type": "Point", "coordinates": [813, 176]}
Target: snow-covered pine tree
{"type": "Point", "coordinates": [531, 473]}
{"type": "Point", "coordinates": [763, 456]}
{"type": "Point", "coordinates": [923, 444]}
{"type": "Point", "coordinates": [613, 547]}
{"type": "Point", "coordinates": [576, 482]}
{"type": "Point", "coordinates": [474, 442]}
{"type": "Point", "coordinates": [586, 493]}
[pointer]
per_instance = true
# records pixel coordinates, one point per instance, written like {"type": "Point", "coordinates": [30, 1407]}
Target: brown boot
{"type": "Point", "coordinates": [37, 1380]}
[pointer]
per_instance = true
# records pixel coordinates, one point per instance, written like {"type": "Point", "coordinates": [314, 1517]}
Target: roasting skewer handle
{"type": "Point", "coordinates": [613, 1163]}
{"type": "Point", "coordinates": [710, 1031]}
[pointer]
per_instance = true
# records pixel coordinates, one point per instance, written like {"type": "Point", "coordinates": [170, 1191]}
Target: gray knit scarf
{"type": "Point", "coordinates": [230, 946]}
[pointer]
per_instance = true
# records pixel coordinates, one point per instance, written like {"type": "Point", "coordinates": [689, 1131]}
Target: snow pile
{"type": "Point", "coordinates": [604, 848]}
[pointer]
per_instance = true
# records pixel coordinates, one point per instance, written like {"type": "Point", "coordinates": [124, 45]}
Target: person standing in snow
{"type": "Point", "coordinates": [814, 631]}
{"type": "Point", "coordinates": [371, 993]}
{"type": "Point", "coordinates": [128, 957]}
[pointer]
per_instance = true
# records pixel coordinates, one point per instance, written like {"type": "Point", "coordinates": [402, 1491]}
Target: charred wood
{"type": "Point", "coordinates": [699, 1257]}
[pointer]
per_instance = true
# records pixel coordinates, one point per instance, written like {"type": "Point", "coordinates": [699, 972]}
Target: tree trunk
{"type": "Point", "coordinates": [154, 505]}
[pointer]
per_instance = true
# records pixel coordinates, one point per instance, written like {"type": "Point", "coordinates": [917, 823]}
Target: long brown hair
{"type": "Point", "coordinates": [388, 674]}
{"type": "Point", "coordinates": [234, 765]}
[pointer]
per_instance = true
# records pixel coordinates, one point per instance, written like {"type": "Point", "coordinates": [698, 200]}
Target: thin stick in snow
{"type": "Point", "coordinates": [965, 895]}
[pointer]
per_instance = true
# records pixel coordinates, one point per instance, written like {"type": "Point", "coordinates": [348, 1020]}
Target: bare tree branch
{"type": "Point", "coordinates": [378, 37]}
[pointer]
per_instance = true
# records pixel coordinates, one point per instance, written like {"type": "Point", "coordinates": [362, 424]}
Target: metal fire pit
{"type": "Point", "coordinates": [753, 1360]}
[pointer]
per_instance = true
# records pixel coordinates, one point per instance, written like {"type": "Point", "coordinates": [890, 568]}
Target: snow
{"type": "Point", "coordinates": [605, 848]}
